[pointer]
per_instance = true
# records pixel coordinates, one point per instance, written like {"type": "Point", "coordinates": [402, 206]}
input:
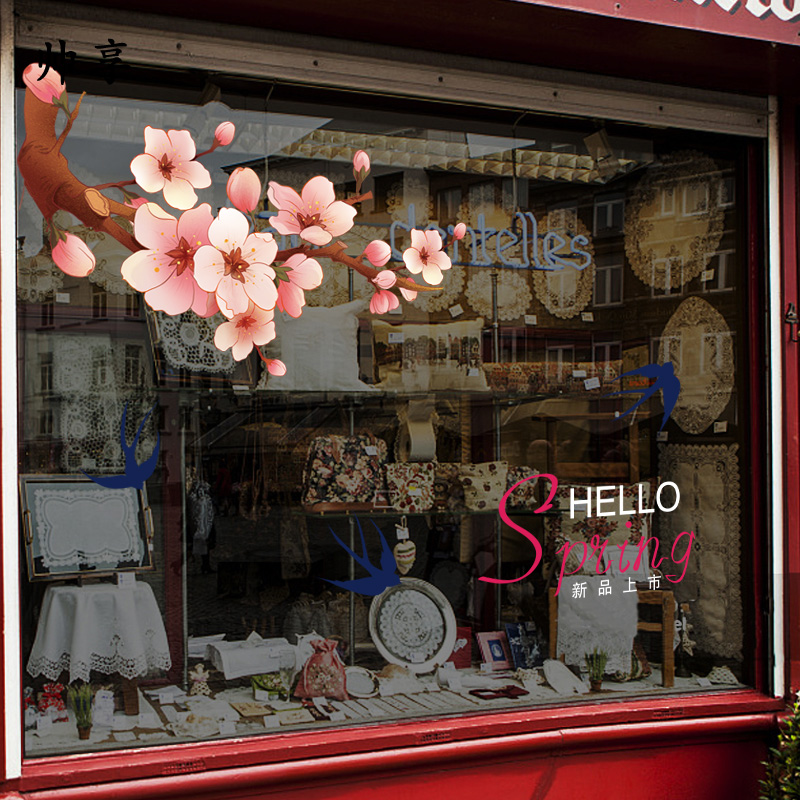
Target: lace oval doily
{"type": "Point", "coordinates": [513, 294]}
{"type": "Point", "coordinates": [698, 342]}
{"type": "Point", "coordinates": [38, 278]}
{"type": "Point", "coordinates": [565, 292]}
{"type": "Point", "coordinates": [673, 222]}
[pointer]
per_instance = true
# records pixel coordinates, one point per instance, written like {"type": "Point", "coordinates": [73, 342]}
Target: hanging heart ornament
{"type": "Point", "coordinates": [405, 553]}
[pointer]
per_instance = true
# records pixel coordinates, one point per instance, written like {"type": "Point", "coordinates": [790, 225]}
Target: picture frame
{"type": "Point", "coordinates": [72, 527]}
{"type": "Point", "coordinates": [494, 649]}
{"type": "Point", "coordinates": [526, 644]}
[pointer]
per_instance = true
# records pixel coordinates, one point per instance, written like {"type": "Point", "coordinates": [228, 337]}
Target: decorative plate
{"type": "Point", "coordinates": [360, 682]}
{"type": "Point", "coordinates": [673, 222]}
{"type": "Point", "coordinates": [698, 342]}
{"type": "Point", "coordinates": [513, 295]}
{"type": "Point", "coordinates": [413, 625]}
{"type": "Point", "coordinates": [565, 292]}
{"type": "Point", "coordinates": [562, 679]}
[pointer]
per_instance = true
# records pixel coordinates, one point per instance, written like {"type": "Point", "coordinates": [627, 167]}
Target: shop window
{"type": "Point", "coordinates": [240, 498]}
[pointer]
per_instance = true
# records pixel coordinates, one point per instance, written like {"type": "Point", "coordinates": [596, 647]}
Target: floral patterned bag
{"type": "Point", "coordinates": [345, 473]}
{"type": "Point", "coordinates": [323, 673]}
{"type": "Point", "coordinates": [410, 485]}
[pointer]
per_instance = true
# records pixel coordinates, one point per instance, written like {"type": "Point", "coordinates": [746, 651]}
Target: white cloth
{"type": "Point", "coordinates": [606, 622]}
{"type": "Point", "coordinates": [254, 656]}
{"type": "Point", "coordinates": [102, 627]}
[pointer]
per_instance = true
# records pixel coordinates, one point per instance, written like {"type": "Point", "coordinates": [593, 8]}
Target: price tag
{"type": "Point", "coordinates": [401, 531]}
{"type": "Point", "coordinates": [62, 297]}
{"type": "Point", "coordinates": [126, 580]}
{"type": "Point", "coordinates": [579, 373]}
{"type": "Point", "coordinates": [396, 337]}
{"type": "Point", "coordinates": [414, 491]}
{"type": "Point", "coordinates": [473, 372]}
{"type": "Point", "coordinates": [703, 682]}
{"type": "Point", "coordinates": [486, 668]}
{"type": "Point", "coordinates": [720, 427]}
{"type": "Point", "coordinates": [592, 383]}
{"type": "Point", "coordinates": [261, 695]}
{"type": "Point", "coordinates": [148, 720]}
{"type": "Point", "coordinates": [371, 450]}
{"type": "Point", "coordinates": [415, 657]}
{"type": "Point", "coordinates": [531, 319]}
{"type": "Point", "coordinates": [227, 727]}
{"type": "Point", "coordinates": [662, 436]}
{"type": "Point", "coordinates": [587, 316]}
{"type": "Point", "coordinates": [456, 310]}
{"type": "Point", "coordinates": [43, 724]}
{"type": "Point", "coordinates": [707, 275]}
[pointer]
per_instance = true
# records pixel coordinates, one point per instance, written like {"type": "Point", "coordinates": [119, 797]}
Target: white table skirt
{"type": "Point", "coordinates": [103, 627]}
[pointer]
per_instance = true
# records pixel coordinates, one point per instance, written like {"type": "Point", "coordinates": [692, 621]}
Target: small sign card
{"type": "Point", "coordinates": [708, 275]}
{"type": "Point", "coordinates": [396, 337]}
{"type": "Point", "coordinates": [62, 297]}
{"type": "Point", "coordinates": [592, 383]}
{"type": "Point", "coordinates": [587, 316]}
{"type": "Point", "coordinates": [531, 319]}
{"type": "Point", "coordinates": [720, 427]}
{"type": "Point", "coordinates": [126, 580]}
{"type": "Point", "coordinates": [456, 310]}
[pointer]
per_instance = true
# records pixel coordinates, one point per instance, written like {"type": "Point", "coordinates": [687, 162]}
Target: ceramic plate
{"type": "Point", "coordinates": [561, 678]}
{"type": "Point", "coordinates": [361, 682]}
{"type": "Point", "coordinates": [413, 625]}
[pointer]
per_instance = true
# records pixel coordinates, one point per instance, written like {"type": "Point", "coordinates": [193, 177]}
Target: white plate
{"type": "Point", "coordinates": [361, 682]}
{"type": "Point", "coordinates": [561, 678]}
{"type": "Point", "coordinates": [413, 624]}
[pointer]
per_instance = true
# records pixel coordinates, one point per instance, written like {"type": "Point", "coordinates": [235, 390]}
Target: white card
{"type": "Point", "coordinates": [720, 427]}
{"type": "Point", "coordinates": [62, 297]}
{"type": "Point", "coordinates": [170, 712]}
{"type": "Point", "coordinates": [414, 491]}
{"type": "Point", "coordinates": [126, 579]}
{"type": "Point", "coordinates": [662, 436]}
{"type": "Point", "coordinates": [371, 450]}
{"type": "Point", "coordinates": [261, 696]}
{"type": "Point", "coordinates": [401, 531]}
{"type": "Point", "coordinates": [473, 372]}
{"type": "Point", "coordinates": [703, 682]}
{"type": "Point", "coordinates": [707, 275]}
{"type": "Point", "coordinates": [271, 721]}
{"type": "Point", "coordinates": [396, 337]}
{"type": "Point", "coordinates": [531, 319]}
{"type": "Point", "coordinates": [125, 736]}
{"type": "Point", "coordinates": [44, 724]}
{"type": "Point", "coordinates": [148, 720]}
{"type": "Point", "coordinates": [587, 316]}
{"type": "Point", "coordinates": [592, 383]}
{"type": "Point", "coordinates": [579, 373]}
{"type": "Point", "coordinates": [456, 310]}
{"type": "Point", "coordinates": [227, 728]}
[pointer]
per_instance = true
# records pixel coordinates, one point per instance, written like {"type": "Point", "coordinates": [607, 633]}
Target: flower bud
{"type": "Point", "coordinates": [244, 189]}
{"type": "Point", "coordinates": [377, 253]}
{"type": "Point", "coordinates": [385, 279]}
{"type": "Point", "coordinates": [360, 168]}
{"type": "Point", "coordinates": [73, 256]}
{"type": "Point", "coordinates": [224, 133]}
{"type": "Point", "coordinates": [49, 88]}
{"type": "Point", "coordinates": [459, 231]}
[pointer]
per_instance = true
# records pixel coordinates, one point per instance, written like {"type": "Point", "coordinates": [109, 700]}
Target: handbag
{"type": "Point", "coordinates": [344, 473]}
{"type": "Point", "coordinates": [410, 485]}
{"type": "Point", "coordinates": [323, 674]}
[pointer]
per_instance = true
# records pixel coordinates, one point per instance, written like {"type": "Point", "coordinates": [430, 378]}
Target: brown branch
{"type": "Point", "coordinates": [351, 201]}
{"type": "Point", "coordinates": [52, 185]}
{"type": "Point", "coordinates": [117, 185]}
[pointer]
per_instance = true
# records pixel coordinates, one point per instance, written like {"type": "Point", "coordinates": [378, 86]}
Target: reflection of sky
{"type": "Point", "coordinates": [109, 133]}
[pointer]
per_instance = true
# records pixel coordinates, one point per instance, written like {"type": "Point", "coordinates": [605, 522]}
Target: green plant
{"type": "Point", "coordinates": [596, 661]}
{"type": "Point", "coordinates": [783, 768]}
{"type": "Point", "coordinates": [80, 699]}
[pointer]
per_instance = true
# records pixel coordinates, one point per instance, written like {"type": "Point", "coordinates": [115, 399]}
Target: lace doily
{"type": "Point", "coordinates": [698, 342]}
{"type": "Point", "coordinates": [93, 378]}
{"type": "Point", "coordinates": [513, 294]}
{"type": "Point", "coordinates": [38, 278]}
{"type": "Point", "coordinates": [673, 222]}
{"type": "Point", "coordinates": [452, 286]}
{"type": "Point", "coordinates": [709, 480]}
{"type": "Point", "coordinates": [187, 342]}
{"type": "Point", "coordinates": [565, 292]}
{"type": "Point", "coordinates": [66, 541]}
{"type": "Point", "coordinates": [411, 626]}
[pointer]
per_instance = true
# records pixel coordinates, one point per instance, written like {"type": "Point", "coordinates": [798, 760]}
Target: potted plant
{"type": "Point", "coordinates": [80, 698]}
{"type": "Point", "coordinates": [596, 662]}
{"type": "Point", "coordinates": [782, 779]}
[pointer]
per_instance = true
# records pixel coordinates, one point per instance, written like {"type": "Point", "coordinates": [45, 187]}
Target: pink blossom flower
{"type": "Point", "coordinates": [385, 279]}
{"type": "Point", "coordinates": [275, 366]}
{"type": "Point", "coordinates": [224, 133]}
{"type": "Point", "coordinates": [377, 253]}
{"type": "Point", "coordinates": [73, 256]}
{"type": "Point", "coordinates": [244, 189]}
{"type": "Point", "coordinates": [459, 231]}
{"type": "Point", "coordinates": [49, 88]}
{"type": "Point", "coordinates": [383, 301]}
{"type": "Point", "coordinates": [296, 274]}
{"type": "Point", "coordinates": [164, 271]}
{"type": "Point", "coordinates": [236, 265]}
{"type": "Point", "coordinates": [254, 327]}
{"type": "Point", "coordinates": [408, 294]}
{"type": "Point", "coordinates": [168, 164]}
{"type": "Point", "coordinates": [317, 216]}
{"type": "Point", "coordinates": [426, 256]}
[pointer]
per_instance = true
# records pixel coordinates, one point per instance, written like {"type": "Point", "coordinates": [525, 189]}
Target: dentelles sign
{"type": "Point", "coordinates": [483, 246]}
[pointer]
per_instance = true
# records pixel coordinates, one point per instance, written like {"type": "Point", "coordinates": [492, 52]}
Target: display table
{"type": "Point", "coordinates": [102, 627]}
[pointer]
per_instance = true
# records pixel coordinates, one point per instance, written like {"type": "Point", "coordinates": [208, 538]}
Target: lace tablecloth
{"type": "Point", "coordinates": [103, 627]}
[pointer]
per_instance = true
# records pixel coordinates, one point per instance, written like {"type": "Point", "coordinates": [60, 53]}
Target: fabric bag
{"type": "Point", "coordinates": [410, 485]}
{"type": "Point", "coordinates": [323, 673]}
{"type": "Point", "coordinates": [484, 484]}
{"type": "Point", "coordinates": [345, 473]}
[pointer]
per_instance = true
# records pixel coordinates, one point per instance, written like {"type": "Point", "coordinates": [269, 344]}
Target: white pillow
{"type": "Point", "coordinates": [320, 350]}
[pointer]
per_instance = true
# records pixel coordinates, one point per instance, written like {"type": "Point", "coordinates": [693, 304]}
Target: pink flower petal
{"type": "Point", "coordinates": [291, 299]}
{"type": "Point", "coordinates": [179, 193]}
{"type": "Point", "coordinates": [205, 303]}
{"type": "Point", "coordinates": [209, 268]}
{"type": "Point", "coordinates": [284, 197]}
{"type": "Point", "coordinates": [433, 239]}
{"type": "Point", "coordinates": [182, 145]}
{"type": "Point", "coordinates": [195, 173]}
{"type": "Point", "coordinates": [315, 235]}
{"type": "Point", "coordinates": [193, 225]}
{"type": "Point", "coordinates": [229, 230]}
{"type": "Point", "coordinates": [408, 294]}
{"type": "Point", "coordinates": [459, 231]}
{"type": "Point", "coordinates": [146, 269]}
{"type": "Point", "coordinates": [265, 333]}
{"type": "Point", "coordinates": [225, 336]}
{"type": "Point", "coordinates": [377, 253]}
{"type": "Point", "coordinates": [146, 172]}
{"type": "Point", "coordinates": [276, 367]}
{"type": "Point", "coordinates": [174, 296]}
{"type": "Point", "coordinates": [232, 297]}
{"type": "Point", "coordinates": [259, 248]}
{"type": "Point", "coordinates": [338, 218]}
{"type": "Point", "coordinates": [412, 260]}
{"type": "Point", "coordinates": [155, 228]}
{"type": "Point", "coordinates": [418, 239]}
{"type": "Point", "coordinates": [259, 285]}
{"type": "Point", "coordinates": [304, 272]}
{"type": "Point", "coordinates": [156, 142]}
{"type": "Point", "coordinates": [242, 348]}
{"type": "Point", "coordinates": [318, 194]}
{"type": "Point", "coordinates": [285, 222]}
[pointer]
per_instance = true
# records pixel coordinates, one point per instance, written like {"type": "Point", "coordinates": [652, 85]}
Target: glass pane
{"type": "Point", "coordinates": [232, 596]}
